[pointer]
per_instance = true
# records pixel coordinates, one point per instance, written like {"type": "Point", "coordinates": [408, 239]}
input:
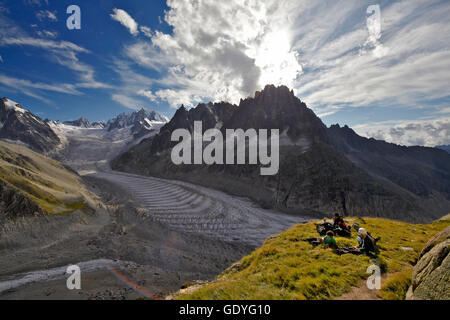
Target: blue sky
{"type": "Point", "coordinates": [384, 72]}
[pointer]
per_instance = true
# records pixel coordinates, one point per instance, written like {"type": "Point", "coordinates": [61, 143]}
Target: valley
{"type": "Point", "coordinates": [145, 227]}
{"type": "Point", "coordinates": [157, 233]}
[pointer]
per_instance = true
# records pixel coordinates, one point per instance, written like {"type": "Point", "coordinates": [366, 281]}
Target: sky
{"type": "Point", "coordinates": [381, 67]}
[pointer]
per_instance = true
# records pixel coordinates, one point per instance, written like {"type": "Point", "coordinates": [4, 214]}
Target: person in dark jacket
{"type": "Point", "coordinates": [366, 244]}
{"type": "Point", "coordinates": [338, 222]}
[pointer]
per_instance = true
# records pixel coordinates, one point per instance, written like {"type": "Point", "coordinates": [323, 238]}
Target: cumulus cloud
{"type": "Point", "coordinates": [410, 133]}
{"type": "Point", "coordinates": [146, 31]}
{"type": "Point", "coordinates": [148, 94]}
{"type": "Point", "coordinates": [220, 50]}
{"type": "Point", "coordinates": [126, 20]}
{"type": "Point", "coordinates": [332, 53]}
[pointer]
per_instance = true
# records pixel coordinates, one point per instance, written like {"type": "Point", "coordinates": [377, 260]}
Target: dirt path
{"type": "Point", "coordinates": [360, 293]}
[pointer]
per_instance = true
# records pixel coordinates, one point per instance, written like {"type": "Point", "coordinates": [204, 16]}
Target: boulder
{"type": "Point", "coordinates": [430, 280]}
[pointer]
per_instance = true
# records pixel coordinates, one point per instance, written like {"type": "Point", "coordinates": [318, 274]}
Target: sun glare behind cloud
{"type": "Point", "coordinates": [276, 59]}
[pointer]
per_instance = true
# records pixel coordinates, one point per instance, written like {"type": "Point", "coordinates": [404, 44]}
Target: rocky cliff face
{"type": "Point", "coordinates": [432, 272]}
{"type": "Point", "coordinates": [21, 125]}
{"type": "Point", "coordinates": [82, 123]}
{"type": "Point", "coordinates": [322, 170]}
{"type": "Point", "coordinates": [419, 170]}
{"type": "Point", "coordinates": [212, 115]}
{"type": "Point", "coordinates": [278, 108]}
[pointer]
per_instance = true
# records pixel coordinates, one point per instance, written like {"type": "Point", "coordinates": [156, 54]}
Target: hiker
{"type": "Point", "coordinates": [338, 222]}
{"type": "Point", "coordinates": [329, 241]}
{"type": "Point", "coordinates": [337, 219]}
{"type": "Point", "coordinates": [366, 244]}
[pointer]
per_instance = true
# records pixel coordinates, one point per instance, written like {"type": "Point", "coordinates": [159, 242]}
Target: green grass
{"type": "Point", "coordinates": [396, 285]}
{"type": "Point", "coordinates": [24, 175]}
{"type": "Point", "coordinates": [287, 268]}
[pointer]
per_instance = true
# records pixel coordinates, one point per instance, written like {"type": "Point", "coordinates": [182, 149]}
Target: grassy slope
{"type": "Point", "coordinates": [45, 181]}
{"type": "Point", "coordinates": [287, 268]}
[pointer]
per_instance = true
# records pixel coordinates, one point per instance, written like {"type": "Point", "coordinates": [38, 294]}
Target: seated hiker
{"type": "Point", "coordinates": [338, 222]}
{"type": "Point", "coordinates": [329, 241]}
{"type": "Point", "coordinates": [366, 244]}
{"type": "Point", "coordinates": [314, 241]}
{"type": "Point", "coordinates": [322, 228]}
{"type": "Point", "coordinates": [337, 219]}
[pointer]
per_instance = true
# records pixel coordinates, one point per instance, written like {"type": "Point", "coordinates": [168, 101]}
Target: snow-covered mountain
{"type": "Point", "coordinates": [141, 122]}
{"type": "Point", "coordinates": [86, 147]}
{"type": "Point", "coordinates": [84, 123]}
{"type": "Point", "coordinates": [77, 140]}
{"type": "Point", "coordinates": [21, 126]}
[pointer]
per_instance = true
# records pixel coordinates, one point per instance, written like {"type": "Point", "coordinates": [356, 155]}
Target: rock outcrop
{"type": "Point", "coordinates": [431, 275]}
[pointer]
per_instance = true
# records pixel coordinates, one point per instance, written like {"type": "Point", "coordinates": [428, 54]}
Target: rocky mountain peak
{"type": "Point", "coordinates": [275, 95]}
{"type": "Point", "coordinates": [141, 117]}
{"type": "Point", "coordinates": [82, 123]}
{"type": "Point", "coordinates": [20, 125]}
{"type": "Point", "coordinates": [278, 108]}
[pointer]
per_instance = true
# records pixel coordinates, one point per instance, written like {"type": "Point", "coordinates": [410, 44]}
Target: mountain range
{"type": "Point", "coordinates": [22, 126]}
{"type": "Point", "coordinates": [140, 122]}
{"type": "Point", "coordinates": [84, 123]}
{"type": "Point", "coordinates": [322, 170]}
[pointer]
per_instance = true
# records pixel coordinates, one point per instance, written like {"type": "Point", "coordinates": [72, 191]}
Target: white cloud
{"type": "Point", "coordinates": [126, 101]}
{"type": "Point", "coordinates": [42, 43]}
{"type": "Point", "coordinates": [15, 82]}
{"type": "Point", "coordinates": [36, 2]}
{"type": "Point", "coordinates": [329, 52]}
{"type": "Point", "coordinates": [66, 54]}
{"type": "Point", "coordinates": [220, 50]}
{"type": "Point", "coordinates": [410, 133]}
{"type": "Point", "coordinates": [46, 14]}
{"type": "Point", "coordinates": [403, 64]}
{"type": "Point", "coordinates": [146, 31]}
{"type": "Point", "coordinates": [47, 33]}
{"type": "Point", "coordinates": [1, 58]}
{"type": "Point", "coordinates": [126, 20]}
{"type": "Point", "coordinates": [148, 94]}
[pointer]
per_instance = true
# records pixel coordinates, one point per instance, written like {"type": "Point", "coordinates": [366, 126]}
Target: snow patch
{"type": "Point", "coordinates": [11, 105]}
